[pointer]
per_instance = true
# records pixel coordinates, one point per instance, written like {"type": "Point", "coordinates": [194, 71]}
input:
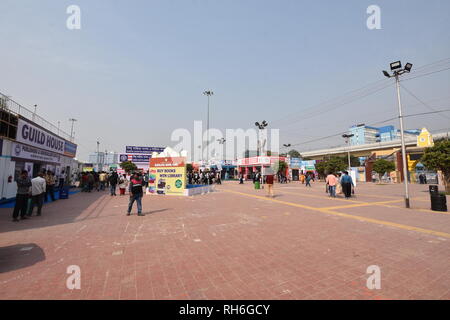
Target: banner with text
{"type": "Point", "coordinates": [30, 153]}
{"type": "Point", "coordinates": [33, 135]}
{"type": "Point", "coordinates": [135, 158]}
{"type": "Point", "coordinates": [143, 150]}
{"type": "Point", "coordinates": [168, 175]}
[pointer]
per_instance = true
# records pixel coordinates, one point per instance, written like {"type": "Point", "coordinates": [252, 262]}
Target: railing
{"type": "Point", "coordinates": [17, 109]}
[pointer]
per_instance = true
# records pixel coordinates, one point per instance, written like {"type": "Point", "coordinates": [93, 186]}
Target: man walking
{"type": "Point", "coordinates": [308, 180]}
{"type": "Point", "coordinates": [269, 182]}
{"type": "Point", "coordinates": [113, 180]}
{"type": "Point", "coordinates": [23, 192]}
{"type": "Point", "coordinates": [347, 184]}
{"type": "Point", "coordinates": [38, 186]}
{"type": "Point", "coordinates": [331, 182]}
{"type": "Point", "coordinates": [136, 193]}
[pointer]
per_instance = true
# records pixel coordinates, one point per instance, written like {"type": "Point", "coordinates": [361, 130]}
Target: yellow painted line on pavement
{"type": "Point", "coordinates": [322, 197]}
{"type": "Point", "coordinates": [365, 204]}
{"type": "Point", "coordinates": [345, 215]}
{"type": "Point", "coordinates": [418, 209]}
{"type": "Point", "coordinates": [358, 194]}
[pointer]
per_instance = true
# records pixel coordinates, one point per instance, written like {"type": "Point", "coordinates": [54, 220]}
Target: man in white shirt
{"type": "Point", "coordinates": [38, 187]}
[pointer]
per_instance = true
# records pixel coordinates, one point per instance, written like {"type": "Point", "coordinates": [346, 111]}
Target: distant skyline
{"type": "Point", "coordinates": [136, 71]}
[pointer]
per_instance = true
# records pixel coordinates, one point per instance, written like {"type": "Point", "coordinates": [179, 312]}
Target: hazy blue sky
{"type": "Point", "coordinates": [137, 69]}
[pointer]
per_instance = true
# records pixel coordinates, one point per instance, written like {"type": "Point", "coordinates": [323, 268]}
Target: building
{"type": "Point", "coordinates": [104, 159]}
{"type": "Point", "coordinates": [363, 134]}
{"type": "Point", "coordinates": [263, 164]}
{"type": "Point", "coordinates": [29, 142]}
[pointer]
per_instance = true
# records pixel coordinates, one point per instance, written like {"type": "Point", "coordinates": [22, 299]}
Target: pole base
{"type": "Point", "coordinates": [407, 203]}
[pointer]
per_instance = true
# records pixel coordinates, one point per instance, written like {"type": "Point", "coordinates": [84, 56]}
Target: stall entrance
{"type": "Point", "coordinates": [295, 174]}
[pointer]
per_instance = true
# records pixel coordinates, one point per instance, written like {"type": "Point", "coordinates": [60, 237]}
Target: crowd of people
{"type": "Point", "coordinates": [34, 192]}
{"type": "Point", "coordinates": [204, 177]}
{"type": "Point", "coordinates": [340, 183]}
{"type": "Point", "coordinates": [100, 181]}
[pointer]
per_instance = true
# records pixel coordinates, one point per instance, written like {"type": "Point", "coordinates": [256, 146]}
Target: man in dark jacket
{"type": "Point", "coordinates": [136, 193]}
{"type": "Point", "coordinates": [23, 193]}
{"type": "Point", "coordinates": [113, 180]}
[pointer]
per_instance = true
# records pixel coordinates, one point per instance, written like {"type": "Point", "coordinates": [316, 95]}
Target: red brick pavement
{"type": "Point", "coordinates": [231, 244]}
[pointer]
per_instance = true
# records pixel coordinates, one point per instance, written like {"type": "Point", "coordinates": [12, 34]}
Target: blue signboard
{"type": "Point", "coordinates": [143, 150]}
{"type": "Point", "coordinates": [135, 158]}
{"type": "Point", "coordinates": [70, 149]}
{"type": "Point", "coordinates": [295, 163]}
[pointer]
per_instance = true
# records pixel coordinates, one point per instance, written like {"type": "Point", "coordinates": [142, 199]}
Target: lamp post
{"type": "Point", "coordinates": [71, 130]}
{"type": "Point", "coordinates": [34, 113]}
{"type": "Point", "coordinates": [260, 126]}
{"type": "Point", "coordinates": [287, 146]}
{"type": "Point", "coordinates": [396, 68]}
{"type": "Point", "coordinates": [347, 141]}
{"type": "Point", "coordinates": [98, 155]}
{"type": "Point", "coordinates": [222, 142]}
{"type": "Point", "coordinates": [207, 93]}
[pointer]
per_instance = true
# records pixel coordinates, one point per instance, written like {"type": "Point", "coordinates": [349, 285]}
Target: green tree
{"type": "Point", "coordinates": [354, 161]}
{"type": "Point", "coordinates": [294, 154]}
{"type": "Point", "coordinates": [381, 166]}
{"type": "Point", "coordinates": [321, 167]}
{"type": "Point", "coordinates": [438, 158]}
{"type": "Point", "coordinates": [128, 166]}
{"type": "Point", "coordinates": [334, 164]}
{"type": "Point", "coordinates": [281, 166]}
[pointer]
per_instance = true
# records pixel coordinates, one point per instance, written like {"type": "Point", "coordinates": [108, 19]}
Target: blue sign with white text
{"type": "Point", "coordinates": [143, 150]}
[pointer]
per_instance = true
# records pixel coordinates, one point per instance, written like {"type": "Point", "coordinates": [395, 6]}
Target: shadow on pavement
{"type": "Point", "coordinates": [156, 211]}
{"type": "Point", "coordinates": [20, 256]}
{"type": "Point", "coordinates": [63, 211]}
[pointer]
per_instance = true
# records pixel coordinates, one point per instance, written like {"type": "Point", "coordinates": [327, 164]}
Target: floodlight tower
{"type": "Point", "coordinates": [261, 126]}
{"type": "Point", "coordinates": [207, 93]}
{"type": "Point", "coordinates": [397, 71]}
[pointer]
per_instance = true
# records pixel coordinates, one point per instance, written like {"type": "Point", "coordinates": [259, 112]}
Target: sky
{"type": "Point", "coordinates": [136, 70]}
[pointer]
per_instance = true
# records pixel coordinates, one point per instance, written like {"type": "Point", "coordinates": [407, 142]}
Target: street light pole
{"type": "Point", "coordinates": [405, 168]}
{"type": "Point", "coordinates": [34, 113]}
{"type": "Point", "coordinates": [397, 69]}
{"type": "Point", "coordinates": [261, 126]}
{"type": "Point", "coordinates": [71, 130]}
{"type": "Point", "coordinates": [287, 146]}
{"type": "Point", "coordinates": [98, 155]}
{"type": "Point", "coordinates": [222, 142]}
{"type": "Point", "coordinates": [207, 93]}
{"type": "Point", "coordinates": [347, 142]}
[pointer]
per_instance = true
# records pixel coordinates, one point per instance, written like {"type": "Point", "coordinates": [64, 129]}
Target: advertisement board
{"type": "Point", "coordinates": [295, 163]}
{"type": "Point", "coordinates": [169, 175]}
{"type": "Point", "coordinates": [70, 149]}
{"type": "Point", "coordinates": [30, 153]}
{"type": "Point", "coordinates": [135, 158]}
{"type": "Point", "coordinates": [88, 167]}
{"type": "Point", "coordinates": [32, 135]}
{"type": "Point", "coordinates": [143, 150]}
